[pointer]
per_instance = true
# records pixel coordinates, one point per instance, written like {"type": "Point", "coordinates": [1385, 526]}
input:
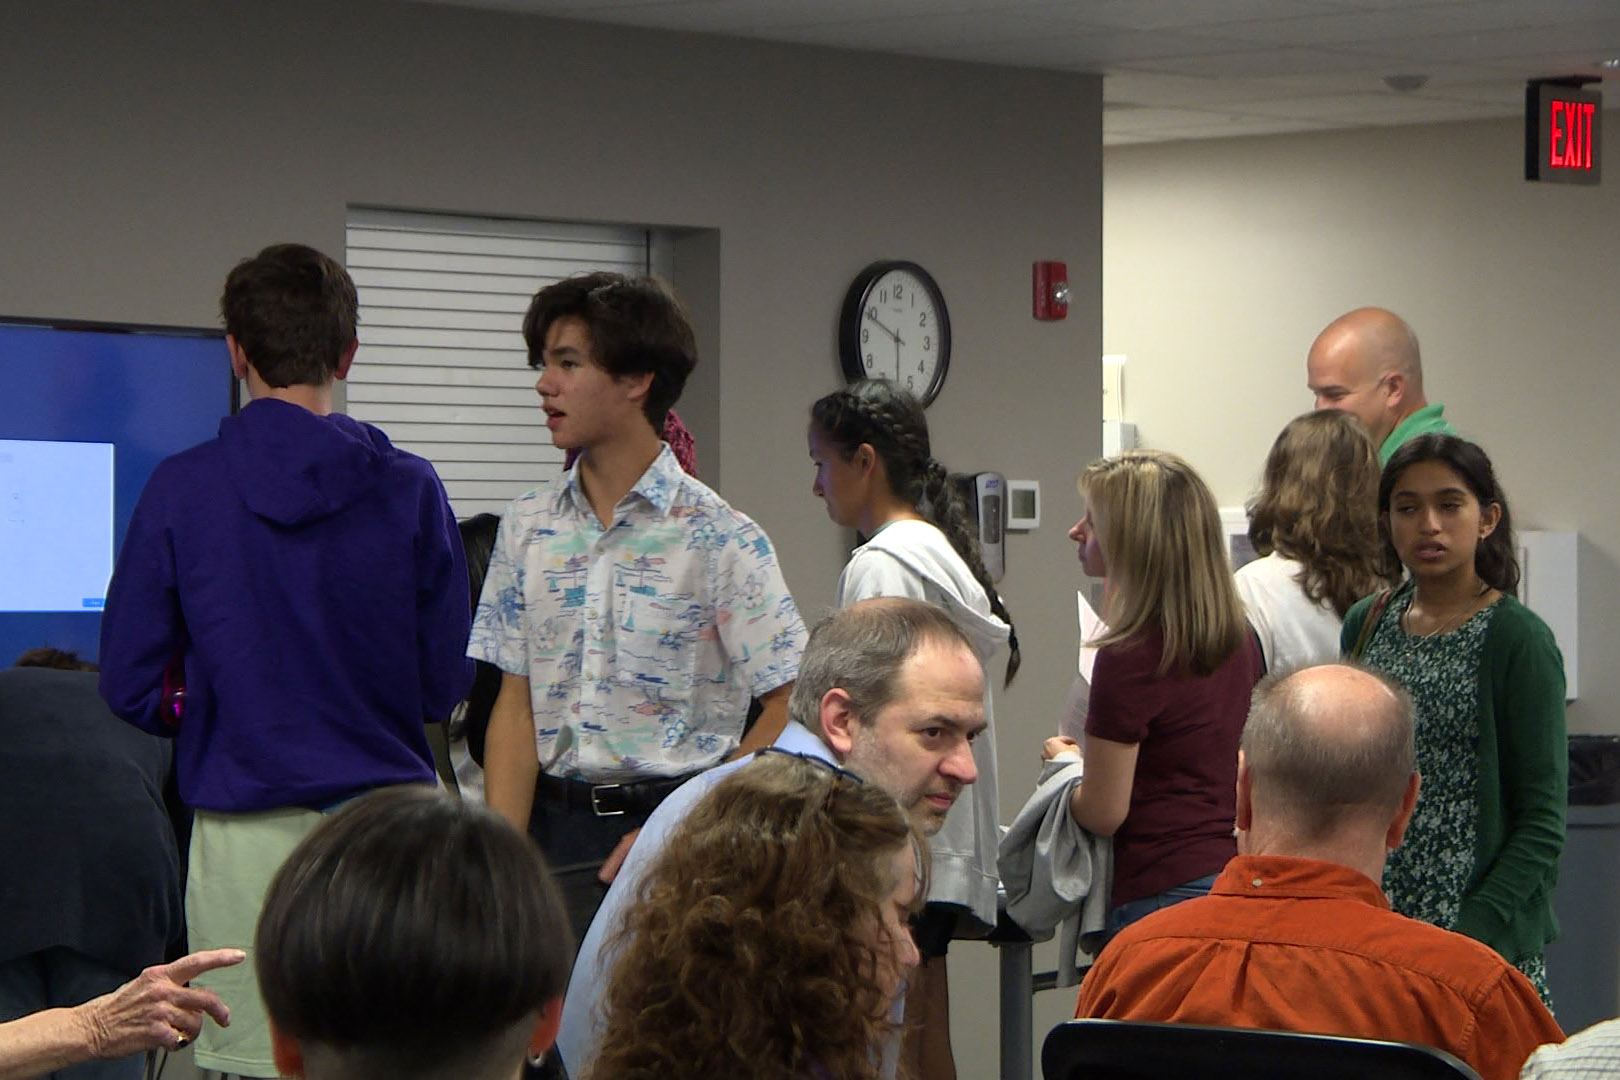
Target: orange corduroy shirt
{"type": "Point", "coordinates": [1296, 944]}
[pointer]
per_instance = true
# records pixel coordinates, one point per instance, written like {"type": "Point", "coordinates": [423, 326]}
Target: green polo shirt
{"type": "Point", "coordinates": [1426, 421]}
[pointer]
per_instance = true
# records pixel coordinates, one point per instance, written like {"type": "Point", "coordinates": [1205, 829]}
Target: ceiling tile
{"type": "Point", "coordinates": [1361, 108]}
{"type": "Point", "coordinates": [1193, 68]}
{"type": "Point", "coordinates": [1372, 78]}
{"type": "Point", "coordinates": [1257, 63]}
{"type": "Point", "coordinates": [1349, 26]}
{"type": "Point", "coordinates": [1588, 39]}
{"type": "Point", "coordinates": [1507, 94]}
{"type": "Point", "coordinates": [1147, 88]}
{"type": "Point", "coordinates": [1183, 14]}
{"type": "Point", "coordinates": [1095, 51]}
{"type": "Point", "coordinates": [958, 36]}
{"type": "Point", "coordinates": [1215, 127]}
{"type": "Point", "coordinates": [1510, 14]}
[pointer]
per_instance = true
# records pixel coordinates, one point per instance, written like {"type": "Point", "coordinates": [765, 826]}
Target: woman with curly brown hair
{"type": "Point", "coordinates": [770, 937]}
{"type": "Point", "coordinates": [1315, 525]}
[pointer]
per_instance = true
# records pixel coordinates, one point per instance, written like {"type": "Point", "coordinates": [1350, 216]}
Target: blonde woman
{"type": "Point", "coordinates": [1171, 685]}
{"type": "Point", "coordinates": [1315, 525]}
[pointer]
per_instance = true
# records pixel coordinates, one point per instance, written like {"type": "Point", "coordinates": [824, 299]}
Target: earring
{"type": "Point", "coordinates": [537, 1060]}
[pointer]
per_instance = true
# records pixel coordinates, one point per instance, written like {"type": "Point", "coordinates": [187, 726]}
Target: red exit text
{"type": "Point", "coordinates": [1569, 131]}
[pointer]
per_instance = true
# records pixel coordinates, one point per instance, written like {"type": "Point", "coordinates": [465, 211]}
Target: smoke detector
{"type": "Point", "coordinates": [1405, 84]}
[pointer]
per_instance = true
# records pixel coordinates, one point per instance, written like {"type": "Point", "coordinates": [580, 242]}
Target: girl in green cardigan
{"type": "Point", "coordinates": [1481, 856]}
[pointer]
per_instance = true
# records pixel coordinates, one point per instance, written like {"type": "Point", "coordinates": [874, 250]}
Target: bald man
{"type": "Point", "coordinates": [1296, 934]}
{"type": "Point", "coordinates": [1366, 363]}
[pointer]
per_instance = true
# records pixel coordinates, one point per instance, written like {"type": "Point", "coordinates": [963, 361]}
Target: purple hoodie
{"type": "Point", "coordinates": [310, 576]}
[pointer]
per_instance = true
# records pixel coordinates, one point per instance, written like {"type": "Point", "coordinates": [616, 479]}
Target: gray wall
{"type": "Point", "coordinates": [146, 147]}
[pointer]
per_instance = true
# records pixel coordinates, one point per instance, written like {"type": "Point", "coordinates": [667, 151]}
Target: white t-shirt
{"type": "Point", "coordinates": [1294, 632]}
{"type": "Point", "coordinates": [913, 558]}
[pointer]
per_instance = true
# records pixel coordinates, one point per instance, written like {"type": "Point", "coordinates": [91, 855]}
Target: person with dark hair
{"type": "Point", "coordinates": [633, 613]}
{"type": "Point", "coordinates": [1171, 684]}
{"type": "Point", "coordinates": [779, 906]}
{"type": "Point", "coordinates": [1482, 853]}
{"type": "Point", "coordinates": [629, 327]}
{"type": "Point", "coordinates": [876, 472]}
{"type": "Point", "coordinates": [1295, 935]}
{"type": "Point", "coordinates": [290, 316]}
{"type": "Point", "coordinates": [47, 656]}
{"type": "Point", "coordinates": [890, 689]}
{"type": "Point", "coordinates": [413, 936]}
{"type": "Point", "coordinates": [290, 606]}
{"type": "Point", "coordinates": [92, 891]}
{"type": "Point", "coordinates": [469, 722]}
{"type": "Point", "coordinates": [1314, 524]}
{"type": "Point", "coordinates": [1367, 363]}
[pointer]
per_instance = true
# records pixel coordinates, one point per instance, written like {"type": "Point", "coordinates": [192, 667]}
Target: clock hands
{"type": "Point", "coordinates": [898, 341]}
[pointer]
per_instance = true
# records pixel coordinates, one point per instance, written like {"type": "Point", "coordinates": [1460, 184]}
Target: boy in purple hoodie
{"type": "Point", "coordinates": [290, 605]}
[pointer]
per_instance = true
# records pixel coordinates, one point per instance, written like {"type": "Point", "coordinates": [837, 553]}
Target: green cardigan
{"type": "Point", "coordinates": [1523, 780]}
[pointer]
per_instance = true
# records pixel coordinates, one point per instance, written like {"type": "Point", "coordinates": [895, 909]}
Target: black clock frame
{"type": "Point", "coordinates": [849, 323]}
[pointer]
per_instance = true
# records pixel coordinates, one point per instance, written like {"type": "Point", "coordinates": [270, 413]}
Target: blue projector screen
{"type": "Point", "coordinates": [86, 411]}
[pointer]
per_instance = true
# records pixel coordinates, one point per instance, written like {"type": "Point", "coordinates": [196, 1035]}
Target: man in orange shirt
{"type": "Point", "coordinates": [1296, 935]}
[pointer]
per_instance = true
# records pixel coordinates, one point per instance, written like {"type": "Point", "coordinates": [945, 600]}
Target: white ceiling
{"type": "Point", "coordinates": [1189, 69]}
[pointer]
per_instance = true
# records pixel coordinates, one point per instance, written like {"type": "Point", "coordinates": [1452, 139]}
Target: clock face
{"type": "Point", "coordinates": [895, 327]}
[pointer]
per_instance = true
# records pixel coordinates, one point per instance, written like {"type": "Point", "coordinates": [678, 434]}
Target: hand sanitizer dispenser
{"type": "Point", "coordinates": [985, 494]}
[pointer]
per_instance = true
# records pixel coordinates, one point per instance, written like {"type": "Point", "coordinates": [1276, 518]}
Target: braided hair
{"type": "Point", "coordinates": [891, 422]}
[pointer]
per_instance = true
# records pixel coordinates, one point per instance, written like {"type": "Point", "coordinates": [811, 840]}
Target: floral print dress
{"type": "Point", "coordinates": [1427, 877]}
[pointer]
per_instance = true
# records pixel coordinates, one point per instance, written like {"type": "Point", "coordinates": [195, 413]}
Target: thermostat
{"type": "Point", "coordinates": [1023, 505]}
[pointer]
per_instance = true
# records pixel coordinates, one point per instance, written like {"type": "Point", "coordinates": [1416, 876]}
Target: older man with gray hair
{"type": "Point", "coordinates": [888, 688]}
{"type": "Point", "coordinates": [1296, 934]}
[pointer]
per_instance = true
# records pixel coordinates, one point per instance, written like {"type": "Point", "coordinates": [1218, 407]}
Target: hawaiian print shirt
{"type": "Point", "coordinates": [642, 642]}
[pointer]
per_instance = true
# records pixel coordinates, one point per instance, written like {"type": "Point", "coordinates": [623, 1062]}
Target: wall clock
{"type": "Point", "coordinates": [894, 326]}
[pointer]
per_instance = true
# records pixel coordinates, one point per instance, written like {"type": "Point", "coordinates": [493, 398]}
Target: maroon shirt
{"type": "Point", "coordinates": [1186, 727]}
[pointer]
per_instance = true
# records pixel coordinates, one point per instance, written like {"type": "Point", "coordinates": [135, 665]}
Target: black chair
{"type": "Point", "coordinates": [1121, 1050]}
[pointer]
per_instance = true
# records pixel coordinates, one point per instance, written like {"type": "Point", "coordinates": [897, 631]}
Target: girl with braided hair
{"type": "Point", "coordinates": [877, 474]}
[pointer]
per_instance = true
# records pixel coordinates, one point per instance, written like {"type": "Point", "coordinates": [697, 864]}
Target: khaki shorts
{"type": "Point", "coordinates": [233, 858]}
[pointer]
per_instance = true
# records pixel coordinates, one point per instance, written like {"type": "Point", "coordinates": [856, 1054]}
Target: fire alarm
{"type": "Point", "coordinates": [1051, 290]}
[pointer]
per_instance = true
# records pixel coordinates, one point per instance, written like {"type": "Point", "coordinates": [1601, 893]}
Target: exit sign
{"type": "Point", "coordinates": [1562, 132]}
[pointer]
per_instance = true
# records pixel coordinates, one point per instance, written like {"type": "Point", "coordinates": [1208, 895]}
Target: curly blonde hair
{"type": "Point", "coordinates": [1318, 505]}
{"type": "Point", "coordinates": [753, 948]}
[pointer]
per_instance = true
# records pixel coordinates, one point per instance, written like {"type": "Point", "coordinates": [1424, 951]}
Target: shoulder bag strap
{"type": "Point", "coordinates": [1370, 623]}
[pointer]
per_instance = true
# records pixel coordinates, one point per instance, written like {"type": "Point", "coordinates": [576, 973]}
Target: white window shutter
{"type": "Point", "coordinates": [442, 367]}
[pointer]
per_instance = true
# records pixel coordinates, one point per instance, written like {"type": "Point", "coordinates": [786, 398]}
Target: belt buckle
{"type": "Point", "coordinates": [596, 803]}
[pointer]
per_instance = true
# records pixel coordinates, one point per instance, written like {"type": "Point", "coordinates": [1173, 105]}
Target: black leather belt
{"type": "Point", "coordinates": [609, 800]}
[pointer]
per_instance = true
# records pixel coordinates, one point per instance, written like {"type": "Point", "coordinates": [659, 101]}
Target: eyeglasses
{"type": "Point", "coordinates": [835, 770]}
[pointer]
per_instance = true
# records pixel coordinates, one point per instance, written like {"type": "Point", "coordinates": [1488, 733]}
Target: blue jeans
{"type": "Point", "coordinates": [1132, 910]}
{"type": "Point", "coordinates": [60, 978]}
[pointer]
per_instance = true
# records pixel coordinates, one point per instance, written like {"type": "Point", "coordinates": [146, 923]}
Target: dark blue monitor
{"type": "Point", "coordinates": [87, 410]}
